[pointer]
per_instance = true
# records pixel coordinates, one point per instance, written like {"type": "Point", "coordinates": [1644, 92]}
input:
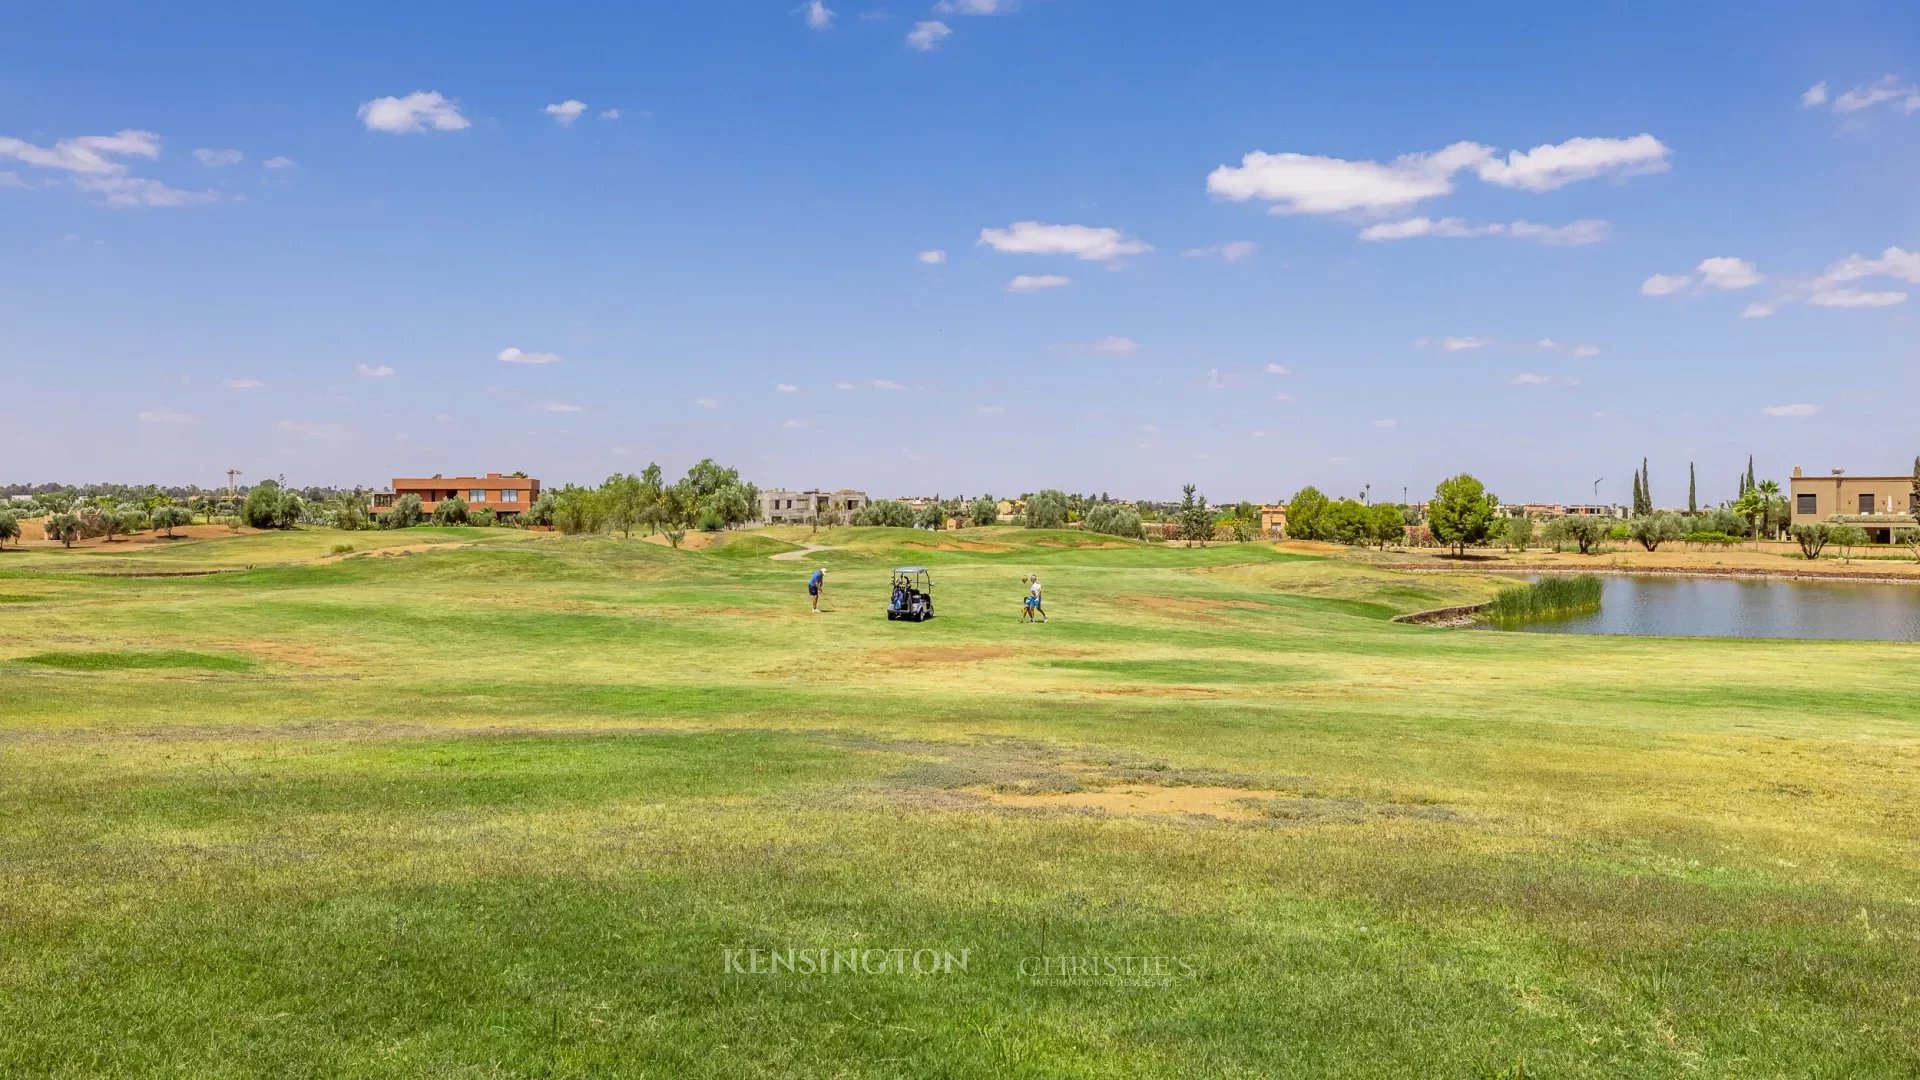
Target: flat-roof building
{"type": "Point", "coordinates": [506, 496]}
{"type": "Point", "coordinates": [1879, 505]}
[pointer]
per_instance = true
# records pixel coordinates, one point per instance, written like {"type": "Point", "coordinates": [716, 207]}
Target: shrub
{"type": "Point", "coordinates": [270, 506]}
{"type": "Point", "coordinates": [541, 512]}
{"type": "Point", "coordinates": [131, 519]}
{"type": "Point", "coordinates": [1719, 539]}
{"type": "Point", "coordinates": [887, 512]}
{"type": "Point", "coordinates": [1518, 532]}
{"type": "Point", "coordinates": [1114, 520]}
{"type": "Point", "coordinates": [1047, 510]}
{"type": "Point", "coordinates": [405, 513]}
{"type": "Point", "coordinates": [1849, 537]}
{"type": "Point", "coordinates": [342, 549]}
{"type": "Point", "coordinates": [483, 518]}
{"type": "Point", "coordinates": [451, 511]}
{"type": "Point", "coordinates": [1583, 531]}
{"type": "Point", "coordinates": [710, 520]}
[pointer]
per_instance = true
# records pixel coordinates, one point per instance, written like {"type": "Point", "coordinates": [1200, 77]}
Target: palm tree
{"type": "Point", "coordinates": [1770, 500]}
{"type": "Point", "coordinates": [1752, 506]}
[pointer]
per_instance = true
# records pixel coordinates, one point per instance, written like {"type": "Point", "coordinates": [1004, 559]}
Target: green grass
{"type": "Point", "coordinates": [499, 807]}
{"type": "Point", "coordinates": [1553, 596]}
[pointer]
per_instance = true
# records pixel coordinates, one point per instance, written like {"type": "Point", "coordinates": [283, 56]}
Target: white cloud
{"type": "Point", "coordinates": [1889, 90]}
{"type": "Point", "coordinates": [609, 114]}
{"type": "Point", "coordinates": [1551, 166]}
{"type": "Point", "coordinates": [91, 162]}
{"type": "Point", "coordinates": [1725, 272]}
{"type": "Point", "coordinates": [1461, 344]}
{"type": "Point", "coordinates": [1311, 184]}
{"type": "Point", "coordinates": [1080, 241]}
{"type": "Point", "coordinates": [214, 159]}
{"type": "Point", "coordinates": [1892, 262]}
{"type": "Point", "coordinates": [164, 415]}
{"type": "Point", "coordinates": [418, 111]}
{"type": "Point", "coordinates": [1283, 397]}
{"type": "Point", "coordinates": [1278, 369]}
{"type": "Point", "coordinates": [1759, 311]}
{"type": "Point", "coordinates": [1112, 344]}
{"type": "Point", "coordinates": [372, 371]}
{"type": "Point", "coordinates": [794, 424]}
{"type": "Point", "coordinates": [512, 355]}
{"type": "Point", "coordinates": [1815, 95]}
{"type": "Point", "coordinates": [787, 388]}
{"type": "Point", "coordinates": [1801, 409]}
{"type": "Point", "coordinates": [1855, 298]}
{"type": "Point", "coordinates": [242, 384]}
{"type": "Point", "coordinates": [925, 35]}
{"type": "Point", "coordinates": [974, 7]}
{"type": "Point", "coordinates": [321, 430]}
{"type": "Point", "coordinates": [1574, 234]}
{"type": "Point", "coordinates": [561, 407]}
{"type": "Point", "coordinates": [992, 410]}
{"type": "Point", "coordinates": [886, 384]}
{"type": "Point", "coordinates": [843, 386]}
{"type": "Point", "coordinates": [1232, 251]}
{"type": "Point", "coordinates": [566, 112]}
{"type": "Point", "coordinates": [1386, 423]}
{"type": "Point", "coordinates": [933, 257]}
{"type": "Point", "coordinates": [818, 15]}
{"type": "Point", "coordinates": [277, 163]}
{"type": "Point", "coordinates": [1032, 283]}
{"type": "Point", "coordinates": [1528, 378]}
{"type": "Point", "coordinates": [1580, 351]}
{"type": "Point", "coordinates": [1665, 284]}
{"type": "Point", "coordinates": [706, 402]}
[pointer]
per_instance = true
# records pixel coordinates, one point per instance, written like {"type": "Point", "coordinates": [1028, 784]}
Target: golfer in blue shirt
{"type": "Point", "coordinates": [814, 584]}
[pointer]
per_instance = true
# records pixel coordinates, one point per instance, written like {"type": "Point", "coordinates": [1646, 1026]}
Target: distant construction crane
{"type": "Point", "coordinates": [231, 473]}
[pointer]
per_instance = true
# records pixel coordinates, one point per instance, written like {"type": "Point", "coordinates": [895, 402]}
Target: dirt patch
{"type": "Point", "coordinates": [693, 541]}
{"type": "Point", "coordinates": [958, 545]}
{"type": "Point", "coordinates": [948, 654]}
{"type": "Point", "coordinates": [34, 531]}
{"type": "Point", "coordinates": [1137, 800]}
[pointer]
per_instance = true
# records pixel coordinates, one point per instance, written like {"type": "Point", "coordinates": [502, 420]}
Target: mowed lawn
{"type": "Point", "coordinates": [502, 806]}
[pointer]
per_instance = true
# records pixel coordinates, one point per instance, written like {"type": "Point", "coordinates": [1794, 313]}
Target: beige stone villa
{"type": "Point", "coordinates": [1878, 504]}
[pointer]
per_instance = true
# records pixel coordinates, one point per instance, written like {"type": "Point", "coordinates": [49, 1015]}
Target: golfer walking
{"type": "Point", "coordinates": [815, 585]}
{"type": "Point", "coordinates": [1034, 603]}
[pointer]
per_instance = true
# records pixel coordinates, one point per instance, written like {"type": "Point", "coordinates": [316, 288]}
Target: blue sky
{"type": "Point", "coordinates": [1531, 243]}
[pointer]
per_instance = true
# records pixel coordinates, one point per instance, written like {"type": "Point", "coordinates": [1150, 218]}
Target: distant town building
{"type": "Point", "coordinates": [781, 506]}
{"type": "Point", "coordinates": [1273, 521]}
{"type": "Point", "coordinates": [1605, 510]}
{"type": "Point", "coordinates": [506, 496]}
{"type": "Point", "coordinates": [1879, 505]}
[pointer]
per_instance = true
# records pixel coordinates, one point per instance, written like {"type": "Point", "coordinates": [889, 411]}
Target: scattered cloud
{"type": "Point", "coordinates": [93, 165]}
{"type": "Point", "coordinates": [561, 407]}
{"type": "Point", "coordinates": [512, 355]}
{"type": "Point", "coordinates": [1574, 234]}
{"type": "Point", "coordinates": [1727, 273]}
{"type": "Point", "coordinates": [215, 159]}
{"type": "Point", "coordinates": [1453, 344]}
{"type": "Point", "coordinates": [818, 15]}
{"type": "Point", "coordinates": [1855, 298]}
{"type": "Point", "coordinates": [1032, 283]}
{"type": "Point", "coordinates": [974, 7]}
{"type": "Point", "coordinates": [794, 424]}
{"type": "Point", "coordinates": [372, 371]}
{"type": "Point", "coordinates": [1386, 423]}
{"type": "Point", "coordinates": [421, 110]}
{"type": "Point", "coordinates": [886, 384]}
{"type": "Point", "coordinates": [1889, 90]}
{"type": "Point", "coordinates": [1665, 284]}
{"type": "Point", "coordinates": [164, 415]}
{"type": "Point", "coordinates": [1528, 378]}
{"type": "Point", "coordinates": [1312, 184]}
{"type": "Point", "coordinates": [787, 388]}
{"type": "Point", "coordinates": [1893, 262]}
{"type": "Point", "coordinates": [1232, 251]}
{"type": "Point", "coordinates": [933, 257]}
{"type": "Point", "coordinates": [1084, 242]}
{"type": "Point", "coordinates": [242, 384]}
{"type": "Point", "coordinates": [992, 410]}
{"type": "Point", "coordinates": [1801, 409]}
{"type": "Point", "coordinates": [320, 430]}
{"type": "Point", "coordinates": [609, 114]}
{"type": "Point", "coordinates": [1759, 311]}
{"type": "Point", "coordinates": [843, 386]}
{"type": "Point", "coordinates": [1114, 344]}
{"type": "Point", "coordinates": [566, 112]}
{"type": "Point", "coordinates": [925, 35]}
{"type": "Point", "coordinates": [1571, 349]}
{"type": "Point", "coordinates": [276, 163]}
{"type": "Point", "coordinates": [1278, 369]}
{"type": "Point", "coordinates": [706, 402]}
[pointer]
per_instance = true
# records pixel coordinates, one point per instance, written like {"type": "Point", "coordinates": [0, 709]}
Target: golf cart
{"type": "Point", "coordinates": [912, 594]}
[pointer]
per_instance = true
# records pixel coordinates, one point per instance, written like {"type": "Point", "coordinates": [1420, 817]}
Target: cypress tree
{"type": "Point", "coordinates": [1693, 491]}
{"type": "Point", "coordinates": [1749, 484]}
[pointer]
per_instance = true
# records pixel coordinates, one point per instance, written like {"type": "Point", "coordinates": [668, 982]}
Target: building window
{"type": "Point", "coordinates": [1866, 504]}
{"type": "Point", "coordinates": [1805, 504]}
{"type": "Point", "coordinates": [509, 495]}
{"type": "Point", "coordinates": [476, 495]}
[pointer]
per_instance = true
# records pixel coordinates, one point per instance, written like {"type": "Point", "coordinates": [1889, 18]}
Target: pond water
{"type": "Point", "coordinates": [1673, 606]}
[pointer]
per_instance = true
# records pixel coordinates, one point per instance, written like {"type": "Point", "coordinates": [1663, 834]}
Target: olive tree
{"type": "Point", "coordinates": [65, 528]}
{"type": "Point", "coordinates": [407, 512]}
{"type": "Point", "coordinates": [983, 511]}
{"type": "Point", "coordinates": [1585, 531]}
{"type": "Point", "coordinates": [1652, 530]}
{"type": "Point", "coordinates": [1047, 510]}
{"type": "Point", "coordinates": [891, 513]}
{"type": "Point", "coordinates": [1813, 538]}
{"type": "Point", "coordinates": [9, 527]}
{"type": "Point", "coordinates": [169, 518]}
{"type": "Point", "coordinates": [1114, 520]}
{"type": "Point", "coordinates": [451, 511]}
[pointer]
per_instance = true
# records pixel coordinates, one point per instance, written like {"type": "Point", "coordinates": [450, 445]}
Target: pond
{"type": "Point", "coordinates": [1674, 606]}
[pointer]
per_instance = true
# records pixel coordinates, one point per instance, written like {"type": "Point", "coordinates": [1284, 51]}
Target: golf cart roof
{"type": "Point", "coordinates": [909, 569]}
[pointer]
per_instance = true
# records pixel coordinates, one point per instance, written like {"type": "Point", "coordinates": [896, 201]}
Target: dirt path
{"type": "Point", "coordinates": [796, 556]}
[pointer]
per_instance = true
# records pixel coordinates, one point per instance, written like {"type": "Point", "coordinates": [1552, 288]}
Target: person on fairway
{"type": "Point", "coordinates": [815, 584]}
{"type": "Point", "coordinates": [1039, 606]}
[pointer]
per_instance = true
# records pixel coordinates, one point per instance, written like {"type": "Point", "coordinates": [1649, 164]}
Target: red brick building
{"type": "Point", "coordinates": [506, 496]}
